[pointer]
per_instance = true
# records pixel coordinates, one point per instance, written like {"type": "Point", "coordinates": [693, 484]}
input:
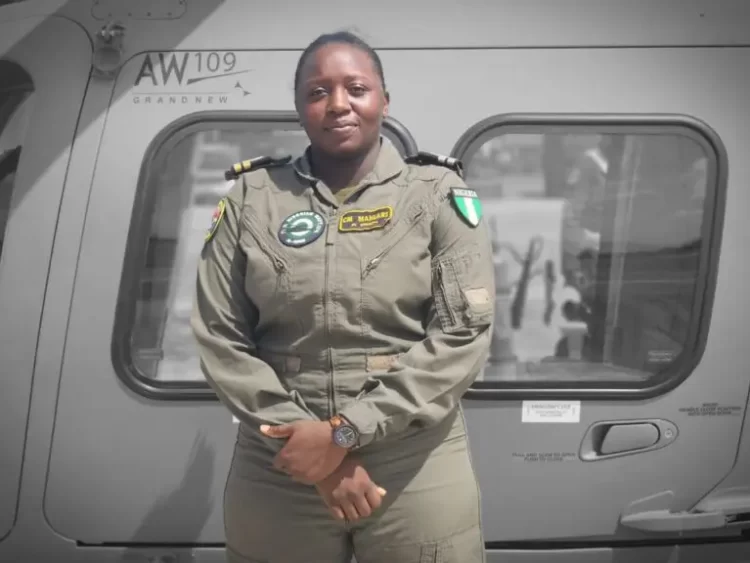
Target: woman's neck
{"type": "Point", "coordinates": [341, 172]}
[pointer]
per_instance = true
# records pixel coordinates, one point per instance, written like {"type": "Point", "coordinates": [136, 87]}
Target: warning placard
{"type": "Point", "coordinates": [551, 411]}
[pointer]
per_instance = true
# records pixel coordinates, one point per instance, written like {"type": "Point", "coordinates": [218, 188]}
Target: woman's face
{"type": "Point", "coordinates": [340, 100]}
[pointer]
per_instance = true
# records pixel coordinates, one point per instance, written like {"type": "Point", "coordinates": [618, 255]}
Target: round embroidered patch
{"type": "Point", "coordinates": [301, 228]}
{"type": "Point", "coordinates": [216, 218]}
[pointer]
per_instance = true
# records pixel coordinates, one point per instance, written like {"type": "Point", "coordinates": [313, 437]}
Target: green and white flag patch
{"type": "Point", "coordinates": [468, 204]}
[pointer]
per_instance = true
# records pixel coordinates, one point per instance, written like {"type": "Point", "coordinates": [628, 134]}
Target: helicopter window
{"type": "Point", "coordinates": [602, 241]}
{"type": "Point", "coordinates": [15, 94]}
{"type": "Point", "coordinates": [185, 182]}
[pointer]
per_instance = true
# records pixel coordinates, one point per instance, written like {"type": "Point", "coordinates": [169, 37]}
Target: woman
{"type": "Point", "coordinates": [344, 304]}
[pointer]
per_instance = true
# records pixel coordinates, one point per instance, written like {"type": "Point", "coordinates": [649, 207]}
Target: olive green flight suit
{"type": "Point", "coordinates": [385, 318]}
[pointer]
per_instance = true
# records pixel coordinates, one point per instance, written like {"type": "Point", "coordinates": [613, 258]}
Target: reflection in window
{"type": "Point", "coordinates": [15, 100]}
{"type": "Point", "coordinates": [189, 184]}
{"type": "Point", "coordinates": [597, 241]}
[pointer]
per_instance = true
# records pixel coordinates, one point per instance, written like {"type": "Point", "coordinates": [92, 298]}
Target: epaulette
{"type": "Point", "coordinates": [422, 158]}
{"type": "Point", "coordinates": [254, 164]}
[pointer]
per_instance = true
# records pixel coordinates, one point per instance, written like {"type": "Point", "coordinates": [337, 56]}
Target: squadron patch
{"type": "Point", "coordinates": [468, 204]}
{"type": "Point", "coordinates": [360, 220]}
{"type": "Point", "coordinates": [216, 218]}
{"type": "Point", "coordinates": [301, 228]}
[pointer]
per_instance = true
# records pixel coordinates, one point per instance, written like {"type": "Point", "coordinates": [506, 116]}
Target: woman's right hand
{"type": "Point", "coordinates": [349, 492]}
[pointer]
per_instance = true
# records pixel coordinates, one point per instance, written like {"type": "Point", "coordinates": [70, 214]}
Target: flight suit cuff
{"type": "Point", "coordinates": [364, 419]}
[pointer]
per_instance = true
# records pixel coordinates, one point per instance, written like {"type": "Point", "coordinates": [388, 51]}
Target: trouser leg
{"type": "Point", "coordinates": [269, 518]}
{"type": "Point", "coordinates": [432, 510]}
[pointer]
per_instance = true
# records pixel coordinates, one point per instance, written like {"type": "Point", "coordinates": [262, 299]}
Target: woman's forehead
{"type": "Point", "coordinates": [336, 59]}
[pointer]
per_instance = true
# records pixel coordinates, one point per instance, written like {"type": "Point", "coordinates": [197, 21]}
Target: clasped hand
{"type": "Point", "coordinates": [311, 457]}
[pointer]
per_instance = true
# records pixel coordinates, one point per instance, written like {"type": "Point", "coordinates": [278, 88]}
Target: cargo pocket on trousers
{"type": "Point", "coordinates": [463, 298]}
{"type": "Point", "coordinates": [437, 552]}
{"type": "Point", "coordinates": [234, 557]}
{"type": "Point", "coordinates": [463, 547]}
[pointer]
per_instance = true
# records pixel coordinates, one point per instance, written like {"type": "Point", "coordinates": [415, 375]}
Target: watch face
{"type": "Point", "coordinates": [345, 436]}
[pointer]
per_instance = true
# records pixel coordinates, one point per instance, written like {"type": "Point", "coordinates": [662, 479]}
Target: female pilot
{"type": "Point", "coordinates": [344, 304]}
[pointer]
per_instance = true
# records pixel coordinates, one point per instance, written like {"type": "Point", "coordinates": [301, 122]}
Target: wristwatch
{"type": "Point", "coordinates": [344, 434]}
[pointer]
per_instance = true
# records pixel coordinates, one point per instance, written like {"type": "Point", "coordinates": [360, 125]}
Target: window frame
{"type": "Point", "coordinates": [21, 83]}
{"type": "Point", "coordinates": [711, 236]}
{"type": "Point", "coordinates": [140, 230]}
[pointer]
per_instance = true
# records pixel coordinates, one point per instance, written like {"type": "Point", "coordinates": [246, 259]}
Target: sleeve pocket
{"type": "Point", "coordinates": [463, 298]}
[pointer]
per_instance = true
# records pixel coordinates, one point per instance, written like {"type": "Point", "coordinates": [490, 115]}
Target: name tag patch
{"type": "Point", "coordinates": [365, 219]}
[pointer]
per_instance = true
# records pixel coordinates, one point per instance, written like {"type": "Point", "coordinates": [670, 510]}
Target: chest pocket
{"type": "Point", "coordinates": [268, 269]}
{"type": "Point", "coordinates": [392, 238]}
{"type": "Point", "coordinates": [396, 278]}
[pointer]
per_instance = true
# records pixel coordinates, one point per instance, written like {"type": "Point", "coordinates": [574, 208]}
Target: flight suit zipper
{"type": "Point", "coordinates": [330, 233]}
{"type": "Point", "coordinates": [372, 264]}
{"type": "Point", "coordinates": [443, 297]}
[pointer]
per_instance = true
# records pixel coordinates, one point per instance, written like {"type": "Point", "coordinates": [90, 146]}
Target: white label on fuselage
{"type": "Point", "coordinates": [551, 411]}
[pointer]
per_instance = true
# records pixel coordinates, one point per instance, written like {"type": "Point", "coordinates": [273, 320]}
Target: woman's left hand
{"type": "Point", "coordinates": [310, 455]}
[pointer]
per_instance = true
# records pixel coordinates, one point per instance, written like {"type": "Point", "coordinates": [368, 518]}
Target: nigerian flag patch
{"type": "Point", "coordinates": [468, 205]}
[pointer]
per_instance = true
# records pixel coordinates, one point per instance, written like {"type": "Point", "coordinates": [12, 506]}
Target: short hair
{"type": "Point", "coordinates": [343, 37]}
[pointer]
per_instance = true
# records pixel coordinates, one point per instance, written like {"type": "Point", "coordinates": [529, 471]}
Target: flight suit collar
{"type": "Point", "coordinates": [388, 165]}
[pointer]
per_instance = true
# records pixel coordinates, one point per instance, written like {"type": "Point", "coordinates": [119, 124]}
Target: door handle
{"type": "Point", "coordinates": [666, 521]}
{"type": "Point", "coordinates": [615, 438]}
{"type": "Point", "coordinates": [619, 438]}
